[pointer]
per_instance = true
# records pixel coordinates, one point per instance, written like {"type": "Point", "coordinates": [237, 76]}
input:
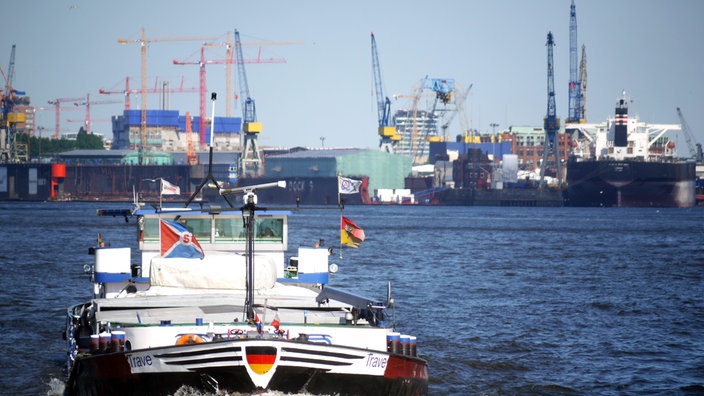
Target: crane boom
{"type": "Point", "coordinates": [695, 151]}
{"type": "Point", "coordinates": [574, 86]}
{"type": "Point", "coordinates": [11, 70]}
{"type": "Point", "coordinates": [387, 132]}
{"type": "Point", "coordinates": [251, 128]}
{"type": "Point", "coordinates": [249, 112]}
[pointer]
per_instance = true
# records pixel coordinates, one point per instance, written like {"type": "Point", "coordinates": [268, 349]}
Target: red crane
{"type": "Point", "coordinates": [127, 92]}
{"type": "Point", "coordinates": [143, 42]}
{"type": "Point", "coordinates": [57, 103]}
{"type": "Point", "coordinates": [203, 89]}
{"type": "Point", "coordinates": [87, 103]}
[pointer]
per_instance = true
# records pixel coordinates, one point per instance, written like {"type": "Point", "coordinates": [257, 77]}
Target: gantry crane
{"type": "Point", "coordinates": [203, 88]}
{"type": "Point", "coordinates": [551, 123]}
{"type": "Point", "coordinates": [143, 41]}
{"type": "Point", "coordinates": [387, 132]}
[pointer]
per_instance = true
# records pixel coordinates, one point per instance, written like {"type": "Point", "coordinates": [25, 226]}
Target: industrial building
{"type": "Point", "coordinates": [166, 131]}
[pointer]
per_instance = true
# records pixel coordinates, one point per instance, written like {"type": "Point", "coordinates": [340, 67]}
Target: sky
{"type": "Point", "coordinates": [323, 95]}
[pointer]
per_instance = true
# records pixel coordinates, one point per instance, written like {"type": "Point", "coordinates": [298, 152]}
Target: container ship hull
{"type": "Point", "coordinates": [630, 183]}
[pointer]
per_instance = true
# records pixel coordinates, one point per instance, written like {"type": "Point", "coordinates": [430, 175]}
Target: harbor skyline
{"type": "Point", "coordinates": [325, 88]}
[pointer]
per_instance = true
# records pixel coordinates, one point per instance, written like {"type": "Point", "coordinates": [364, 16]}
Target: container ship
{"type": "Point", "coordinates": [627, 163]}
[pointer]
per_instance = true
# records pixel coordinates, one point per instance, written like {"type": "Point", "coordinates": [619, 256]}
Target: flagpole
{"type": "Point", "coordinates": [339, 205]}
{"type": "Point", "coordinates": [161, 190]}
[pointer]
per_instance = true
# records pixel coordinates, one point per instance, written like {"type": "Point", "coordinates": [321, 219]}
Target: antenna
{"type": "Point", "coordinates": [209, 177]}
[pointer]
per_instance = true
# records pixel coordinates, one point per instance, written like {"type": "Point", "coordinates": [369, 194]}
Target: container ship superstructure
{"type": "Point", "coordinates": [628, 163]}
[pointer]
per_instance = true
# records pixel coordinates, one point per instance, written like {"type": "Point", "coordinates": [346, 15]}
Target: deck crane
{"type": "Point", "coordinates": [12, 148]}
{"type": "Point", "coordinates": [695, 149]}
{"type": "Point", "coordinates": [143, 42]}
{"type": "Point", "coordinates": [251, 155]}
{"type": "Point", "coordinates": [551, 123]}
{"type": "Point", "coordinates": [387, 132]}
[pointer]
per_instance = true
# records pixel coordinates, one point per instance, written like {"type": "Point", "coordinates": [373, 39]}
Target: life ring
{"type": "Point", "coordinates": [188, 339]}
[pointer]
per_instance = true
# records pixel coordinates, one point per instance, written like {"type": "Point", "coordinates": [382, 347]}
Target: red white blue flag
{"type": "Point", "coordinates": [178, 241]}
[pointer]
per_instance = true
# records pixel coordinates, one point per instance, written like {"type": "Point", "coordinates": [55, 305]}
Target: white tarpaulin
{"type": "Point", "coordinates": [215, 271]}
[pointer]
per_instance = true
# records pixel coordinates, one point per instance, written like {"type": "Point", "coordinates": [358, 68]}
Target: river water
{"type": "Point", "coordinates": [504, 301]}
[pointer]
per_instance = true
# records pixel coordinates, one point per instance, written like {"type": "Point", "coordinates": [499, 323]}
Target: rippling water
{"type": "Point", "coordinates": [504, 301]}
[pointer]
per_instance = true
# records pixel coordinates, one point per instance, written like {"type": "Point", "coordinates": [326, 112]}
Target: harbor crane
{"type": "Point", "coordinates": [695, 149]}
{"type": "Point", "coordinates": [387, 132]}
{"type": "Point", "coordinates": [202, 78]}
{"type": "Point", "coordinates": [251, 155]}
{"type": "Point", "coordinates": [574, 115]}
{"type": "Point", "coordinates": [12, 148]}
{"type": "Point", "coordinates": [551, 123]}
{"type": "Point", "coordinates": [229, 61]}
{"type": "Point", "coordinates": [583, 86]}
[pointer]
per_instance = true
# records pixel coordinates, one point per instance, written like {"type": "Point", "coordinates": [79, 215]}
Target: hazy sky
{"type": "Point", "coordinates": [652, 49]}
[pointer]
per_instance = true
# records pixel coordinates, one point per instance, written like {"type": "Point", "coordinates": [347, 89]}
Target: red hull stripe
{"type": "Point", "coordinates": [261, 359]}
{"type": "Point", "coordinates": [398, 367]}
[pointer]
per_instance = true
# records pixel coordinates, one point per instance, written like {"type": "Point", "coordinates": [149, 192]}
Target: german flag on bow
{"type": "Point", "coordinates": [178, 241]}
{"type": "Point", "coordinates": [350, 233]}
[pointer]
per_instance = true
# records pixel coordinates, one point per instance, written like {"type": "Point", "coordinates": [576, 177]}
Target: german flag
{"type": "Point", "coordinates": [261, 358]}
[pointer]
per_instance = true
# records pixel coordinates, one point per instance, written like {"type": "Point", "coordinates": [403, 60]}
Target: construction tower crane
{"type": "Point", "coordinates": [695, 149]}
{"type": "Point", "coordinates": [551, 123]}
{"type": "Point", "coordinates": [203, 88]}
{"type": "Point", "coordinates": [574, 85]}
{"type": "Point", "coordinates": [251, 155]}
{"type": "Point", "coordinates": [387, 132]}
{"type": "Point", "coordinates": [229, 61]}
{"type": "Point", "coordinates": [143, 42]}
{"type": "Point", "coordinates": [57, 109]}
{"type": "Point", "coordinates": [163, 90]}
{"type": "Point", "coordinates": [87, 103]}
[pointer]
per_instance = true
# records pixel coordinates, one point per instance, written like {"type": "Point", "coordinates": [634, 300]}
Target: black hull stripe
{"type": "Point", "coordinates": [205, 361]}
{"type": "Point", "coordinates": [199, 352]}
{"type": "Point", "coordinates": [322, 353]}
{"type": "Point", "coordinates": [314, 361]}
